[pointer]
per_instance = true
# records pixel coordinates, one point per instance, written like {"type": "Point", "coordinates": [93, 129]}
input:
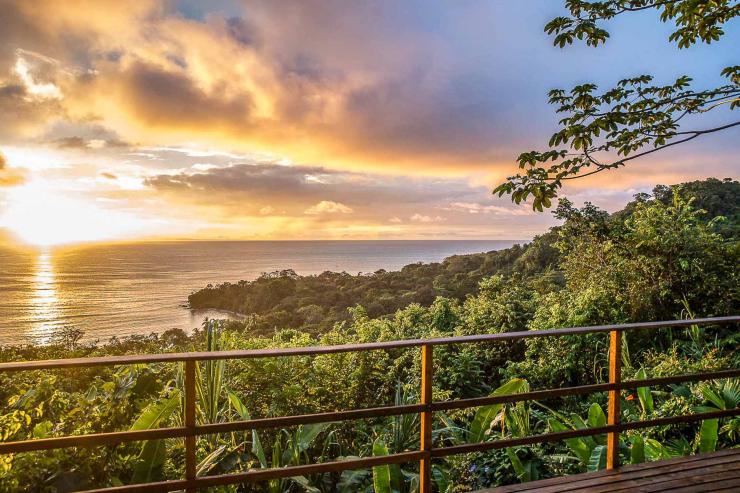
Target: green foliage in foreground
{"type": "Point", "coordinates": [658, 259]}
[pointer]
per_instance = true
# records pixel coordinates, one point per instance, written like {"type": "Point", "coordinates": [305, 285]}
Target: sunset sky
{"type": "Point", "coordinates": [306, 120]}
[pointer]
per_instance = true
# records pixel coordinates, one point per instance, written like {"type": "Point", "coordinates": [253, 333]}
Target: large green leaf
{"type": "Point", "coordinates": [712, 396]}
{"type": "Point", "coordinates": [148, 465]}
{"type": "Point", "coordinates": [209, 460]}
{"type": "Point", "coordinates": [580, 424]}
{"type": "Point", "coordinates": [154, 414]}
{"type": "Point", "coordinates": [244, 414]}
{"type": "Point", "coordinates": [381, 474]}
{"type": "Point", "coordinates": [730, 391]}
{"type": "Point", "coordinates": [576, 445]}
{"type": "Point", "coordinates": [597, 460]}
{"type": "Point", "coordinates": [644, 394]}
{"type": "Point", "coordinates": [637, 452]}
{"type": "Point", "coordinates": [304, 483]}
{"type": "Point", "coordinates": [238, 405]}
{"type": "Point", "coordinates": [482, 422]}
{"type": "Point", "coordinates": [308, 433]}
{"type": "Point", "coordinates": [153, 452]}
{"type": "Point", "coordinates": [486, 414]}
{"type": "Point", "coordinates": [708, 435]}
{"type": "Point", "coordinates": [525, 472]}
{"type": "Point", "coordinates": [654, 450]}
{"type": "Point", "coordinates": [441, 479]}
{"type": "Point", "coordinates": [596, 416]}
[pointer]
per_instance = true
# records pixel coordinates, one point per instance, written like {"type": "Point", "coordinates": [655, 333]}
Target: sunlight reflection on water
{"type": "Point", "coordinates": [44, 301]}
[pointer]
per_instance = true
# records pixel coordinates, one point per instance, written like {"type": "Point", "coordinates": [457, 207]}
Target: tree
{"type": "Point", "coordinates": [604, 130]}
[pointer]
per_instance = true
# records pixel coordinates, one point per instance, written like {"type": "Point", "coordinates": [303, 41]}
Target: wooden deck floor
{"type": "Point", "coordinates": [716, 472]}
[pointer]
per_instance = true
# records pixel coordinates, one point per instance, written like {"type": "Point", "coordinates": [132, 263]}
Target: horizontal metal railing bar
{"type": "Point", "coordinates": [157, 487]}
{"type": "Point", "coordinates": [581, 389]}
{"type": "Point", "coordinates": [692, 377]}
{"type": "Point", "coordinates": [274, 422]}
{"type": "Point", "coordinates": [110, 438]}
{"type": "Point", "coordinates": [562, 435]}
{"type": "Point", "coordinates": [305, 419]}
{"type": "Point", "coordinates": [344, 348]}
{"type": "Point", "coordinates": [272, 473]}
{"type": "Point", "coordinates": [524, 396]}
{"type": "Point", "coordinates": [286, 472]}
{"type": "Point", "coordinates": [672, 420]}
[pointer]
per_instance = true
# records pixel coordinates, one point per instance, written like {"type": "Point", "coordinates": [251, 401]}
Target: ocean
{"type": "Point", "coordinates": [140, 288]}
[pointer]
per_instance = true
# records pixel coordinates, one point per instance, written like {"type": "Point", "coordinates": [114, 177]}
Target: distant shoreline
{"type": "Point", "coordinates": [125, 289]}
{"type": "Point", "coordinates": [129, 242]}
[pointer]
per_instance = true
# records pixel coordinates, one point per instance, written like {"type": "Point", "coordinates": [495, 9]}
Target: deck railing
{"type": "Point", "coordinates": [425, 408]}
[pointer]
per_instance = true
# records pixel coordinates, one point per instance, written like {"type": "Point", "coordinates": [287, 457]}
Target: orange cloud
{"type": "Point", "coordinates": [9, 177]}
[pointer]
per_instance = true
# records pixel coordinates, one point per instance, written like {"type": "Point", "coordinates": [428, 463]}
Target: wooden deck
{"type": "Point", "coordinates": [716, 472]}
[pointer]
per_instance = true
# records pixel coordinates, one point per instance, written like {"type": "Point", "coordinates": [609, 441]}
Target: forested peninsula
{"type": "Point", "coordinates": [283, 299]}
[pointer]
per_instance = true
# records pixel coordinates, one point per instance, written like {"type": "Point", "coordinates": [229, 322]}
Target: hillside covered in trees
{"type": "Point", "coordinates": [283, 299]}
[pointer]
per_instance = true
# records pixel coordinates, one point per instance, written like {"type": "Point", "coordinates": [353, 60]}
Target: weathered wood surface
{"type": "Point", "coordinates": [719, 471]}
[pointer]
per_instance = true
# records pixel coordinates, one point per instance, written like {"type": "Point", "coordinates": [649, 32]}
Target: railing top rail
{"type": "Point", "coordinates": [344, 348]}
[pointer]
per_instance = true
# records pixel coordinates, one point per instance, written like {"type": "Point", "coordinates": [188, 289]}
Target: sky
{"type": "Point", "coordinates": [307, 120]}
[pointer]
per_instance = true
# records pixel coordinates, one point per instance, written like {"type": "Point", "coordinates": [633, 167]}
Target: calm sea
{"type": "Point", "coordinates": [107, 290]}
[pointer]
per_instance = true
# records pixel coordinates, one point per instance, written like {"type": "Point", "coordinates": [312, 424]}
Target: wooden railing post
{"type": "Point", "coordinates": [615, 377]}
{"type": "Point", "coordinates": [425, 465]}
{"type": "Point", "coordinates": [190, 422]}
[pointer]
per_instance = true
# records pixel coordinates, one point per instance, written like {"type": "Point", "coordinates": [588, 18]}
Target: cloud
{"type": "Point", "coordinates": [381, 88]}
{"type": "Point", "coordinates": [300, 187]}
{"type": "Point", "coordinates": [297, 199]}
{"type": "Point", "coordinates": [36, 72]}
{"type": "Point", "coordinates": [165, 97]}
{"type": "Point", "coordinates": [271, 78]}
{"type": "Point", "coordinates": [478, 208]}
{"type": "Point", "coordinates": [23, 117]}
{"type": "Point", "coordinates": [71, 143]}
{"type": "Point", "coordinates": [328, 207]}
{"type": "Point", "coordinates": [10, 176]}
{"type": "Point", "coordinates": [421, 218]}
{"type": "Point", "coordinates": [77, 142]}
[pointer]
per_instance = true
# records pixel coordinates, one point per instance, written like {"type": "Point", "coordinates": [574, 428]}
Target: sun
{"type": "Point", "coordinates": [43, 217]}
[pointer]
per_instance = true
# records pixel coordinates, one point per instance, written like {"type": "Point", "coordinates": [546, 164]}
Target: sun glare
{"type": "Point", "coordinates": [44, 218]}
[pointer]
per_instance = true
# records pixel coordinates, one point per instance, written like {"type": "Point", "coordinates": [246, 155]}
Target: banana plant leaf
{"type": "Point", "coordinates": [486, 414]}
{"type": "Point", "coordinates": [153, 452]}
{"type": "Point", "coordinates": [643, 394]}
{"type": "Point", "coordinates": [637, 452]}
{"type": "Point", "coordinates": [381, 474]}
{"type": "Point", "coordinates": [577, 445]}
{"type": "Point", "coordinates": [597, 461]}
{"type": "Point", "coordinates": [708, 435]}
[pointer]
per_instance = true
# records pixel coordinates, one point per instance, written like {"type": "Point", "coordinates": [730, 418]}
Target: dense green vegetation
{"type": "Point", "coordinates": [284, 299]}
{"type": "Point", "coordinates": [661, 257]}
